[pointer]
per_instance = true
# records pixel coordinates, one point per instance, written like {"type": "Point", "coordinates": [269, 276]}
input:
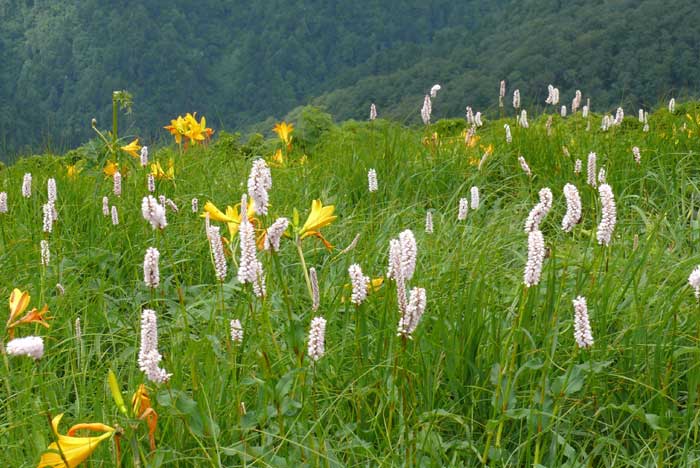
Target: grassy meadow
{"type": "Point", "coordinates": [492, 374]}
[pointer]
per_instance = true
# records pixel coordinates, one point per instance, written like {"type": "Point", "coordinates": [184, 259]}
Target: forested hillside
{"type": "Point", "coordinates": [243, 62]}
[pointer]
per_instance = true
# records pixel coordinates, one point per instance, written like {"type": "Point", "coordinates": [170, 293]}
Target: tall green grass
{"type": "Point", "coordinates": [492, 374]}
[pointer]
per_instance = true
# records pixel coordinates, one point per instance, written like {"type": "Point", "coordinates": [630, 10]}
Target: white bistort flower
{"type": "Point", "coordinates": [463, 209]}
{"type": "Point", "coordinates": [149, 357]}
{"type": "Point", "coordinates": [475, 198]}
{"type": "Point", "coordinates": [151, 271]}
{"type": "Point", "coordinates": [27, 185]}
{"type": "Point", "coordinates": [582, 326]}
{"type": "Point", "coordinates": [236, 331]}
{"type": "Point", "coordinates": [413, 313]}
{"type": "Point", "coordinates": [259, 182]}
{"type": "Point", "coordinates": [274, 234]}
{"type": "Point", "coordinates": [591, 169]}
{"type": "Point", "coordinates": [609, 215]}
{"type": "Point", "coordinates": [694, 281]}
{"type": "Point", "coordinates": [573, 208]}
{"type": "Point", "coordinates": [535, 258]}
{"type": "Point", "coordinates": [30, 346]}
{"type": "Point", "coordinates": [317, 338]}
{"type": "Point", "coordinates": [359, 282]}
{"type": "Point", "coordinates": [372, 180]}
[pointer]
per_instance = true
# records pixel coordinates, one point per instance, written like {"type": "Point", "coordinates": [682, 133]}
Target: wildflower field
{"type": "Point", "coordinates": [490, 291]}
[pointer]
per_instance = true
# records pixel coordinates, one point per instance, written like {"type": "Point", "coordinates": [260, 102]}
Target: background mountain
{"type": "Point", "coordinates": [241, 63]}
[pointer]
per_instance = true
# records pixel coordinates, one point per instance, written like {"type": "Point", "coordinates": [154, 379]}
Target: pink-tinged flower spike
{"type": "Point", "coordinates": [151, 183]}
{"type": "Point", "coordinates": [509, 136]}
{"type": "Point", "coordinates": [429, 222]}
{"type": "Point", "coordinates": [171, 204]}
{"type": "Point", "coordinates": [637, 155]}
{"type": "Point", "coordinates": [48, 217]}
{"type": "Point", "coordinates": [3, 202]}
{"type": "Point", "coordinates": [149, 357]}
{"type": "Point", "coordinates": [591, 167]}
{"type": "Point", "coordinates": [115, 216]}
{"type": "Point", "coordinates": [535, 258]}
{"type": "Point", "coordinates": [522, 121]}
{"type": "Point", "coordinates": [516, 99]}
{"type": "Point", "coordinates": [45, 252]}
{"type": "Point", "coordinates": [151, 272]}
{"type": "Point", "coordinates": [30, 346]}
{"type": "Point", "coordinates": [236, 331]}
{"type": "Point", "coordinates": [577, 167]}
{"type": "Point", "coordinates": [117, 188]}
{"type": "Point", "coordinates": [463, 209]}
{"type": "Point", "coordinates": [475, 198]}
{"type": "Point", "coordinates": [359, 282]}
{"type": "Point", "coordinates": [573, 208]}
{"type": "Point", "coordinates": [563, 111]}
{"type": "Point", "coordinates": [694, 281]}
{"type": "Point", "coordinates": [259, 284]}
{"type": "Point", "coordinates": [153, 212]}
{"type": "Point", "coordinates": [317, 338]}
{"type": "Point", "coordinates": [372, 180]}
{"type": "Point", "coordinates": [27, 185]}
{"type": "Point", "coordinates": [434, 90]}
{"type": "Point", "coordinates": [315, 294]}
{"type": "Point", "coordinates": [259, 182]}
{"type": "Point", "coordinates": [409, 253]}
{"type": "Point", "coordinates": [414, 311]}
{"type": "Point", "coordinates": [672, 105]}
{"type": "Point", "coordinates": [372, 112]}
{"type": "Point", "coordinates": [469, 115]}
{"type": "Point", "coordinates": [540, 210]}
{"type": "Point", "coordinates": [550, 95]}
{"type": "Point", "coordinates": [217, 253]}
{"type": "Point", "coordinates": [582, 326]}
{"type": "Point", "coordinates": [641, 116]}
{"type": "Point", "coordinates": [248, 264]}
{"type": "Point", "coordinates": [619, 116]}
{"type": "Point", "coordinates": [477, 120]}
{"type": "Point", "coordinates": [105, 206]}
{"type": "Point", "coordinates": [51, 190]}
{"type": "Point", "coordinates": [195, 205]}
{"type": "Point", "coordinates": [576, 102]}
{"type": "Point", "coordinates": [351, 245]}
{"type": "Point", "coordinates": [502, 90]}
{"type": "Point", "coordinates": [601, 175]}
{"type": "Point", "coordinates": [584, 112]}
{"type": "Point", "coordinates": [524, 166]}
{"type": "Point", "coordinates": [395, 271]}
{"type": "Point", "coordinates": [426, 110]}
{"type": "Point", "coordinates": [274, 234]}
{"type": "Point", "coordinates": [144, 156]}
{"type": "Point", "coordinates": [609, 218]}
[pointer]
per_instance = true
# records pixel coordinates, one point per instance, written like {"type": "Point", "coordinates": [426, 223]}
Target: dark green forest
{"type": "Point", "coordinates": [244, 64]}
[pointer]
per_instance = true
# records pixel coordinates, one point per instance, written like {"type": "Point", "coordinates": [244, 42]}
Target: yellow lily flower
{"type": "Point", "coordinates": [177, 128]}
{"type": "Point", "coordinates": [319, 217]}
{"type": "Point", "coordinates": [232, 218]}
{"type": "Point", "coordinates": [19, 301]}
{"type": "Point", "coordinates": [72, 170]}
{"type": "Point", "coordinates": [158, 172]}
{"type": "Point", "coordinates": [110, 168]}
{"type": "Point", "coordinates": [133, 148]}
{"type": "Point", "coordinates": [75, 450]}
{"type": "Point", "coordinates": [141, 405]}
{"type": "Point", "coordinates": [284, 131]}
{"type": "Point", "coordinates": [194, 129]}
{"type": "Point", "coordinates": [278, 159]}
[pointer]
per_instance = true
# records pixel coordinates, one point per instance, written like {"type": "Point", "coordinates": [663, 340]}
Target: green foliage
{"type": "Point", "coordinates": [492, 374]}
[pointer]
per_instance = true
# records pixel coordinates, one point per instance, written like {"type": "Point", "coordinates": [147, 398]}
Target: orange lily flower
{"type": "Point", "coordinates": [319, 217]}
{"type": "Point", "coordinates": [18, 303]}
{"type": "Point", "coordinates": [141, 405]}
